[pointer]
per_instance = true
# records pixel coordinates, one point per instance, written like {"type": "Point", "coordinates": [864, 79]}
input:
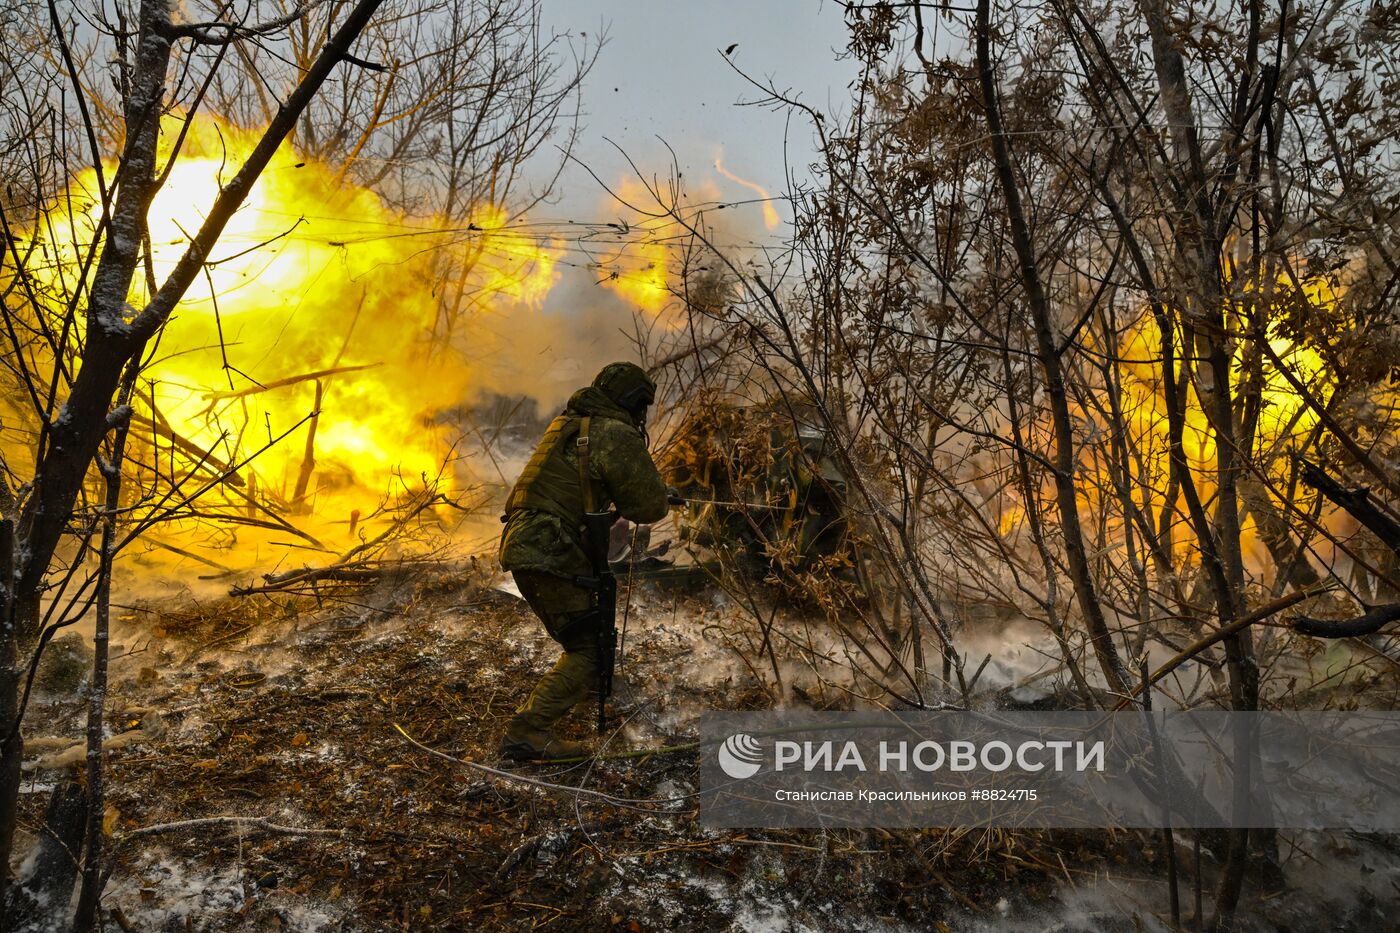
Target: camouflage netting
{"type": "Point", "coordinates": [764, 483]}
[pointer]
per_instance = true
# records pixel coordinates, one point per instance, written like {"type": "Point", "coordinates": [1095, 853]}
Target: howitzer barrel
{"type": "Point", "coordinates": [728, 503]}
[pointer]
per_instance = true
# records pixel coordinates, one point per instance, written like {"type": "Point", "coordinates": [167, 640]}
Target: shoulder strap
{"type": "Point", "coordinates": [585, 481]}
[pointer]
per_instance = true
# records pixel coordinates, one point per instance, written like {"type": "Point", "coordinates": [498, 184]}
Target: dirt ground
{"type": "Point", "coordinates": [284, 711]}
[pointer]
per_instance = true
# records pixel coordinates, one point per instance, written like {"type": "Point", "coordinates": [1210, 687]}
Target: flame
{"type": "Point", "coordinates": [640, 271]}
{"type": "Point", "coordinates": [312, 274]}
{"type": "Point", "coordinates": [771, 220]}
{"type": "Point", "coordinates": [1284, 418]}
{"type": "Point", "coordinates": [1284, 414]}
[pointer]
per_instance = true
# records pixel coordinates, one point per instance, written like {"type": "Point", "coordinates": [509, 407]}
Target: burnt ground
{"type": "Point", "coordinates": [284, 710]}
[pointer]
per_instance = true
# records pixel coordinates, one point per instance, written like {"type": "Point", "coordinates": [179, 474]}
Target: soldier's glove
{"type": "Point", "coordinates": [673, 496]}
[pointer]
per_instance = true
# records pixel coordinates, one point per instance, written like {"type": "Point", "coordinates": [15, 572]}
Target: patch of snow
{"type": "Point", "coordinates": [165, 889]}
{"type": "Point", "coordinates": [166, 892]}
{"type": "Point", "coordinates": [307, 918]}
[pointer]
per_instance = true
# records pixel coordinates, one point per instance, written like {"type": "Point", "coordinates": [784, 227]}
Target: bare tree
{"type": "Point", "coordinates": [438, 106]}
{"type": "Point", "coordinates": [1079, 291]}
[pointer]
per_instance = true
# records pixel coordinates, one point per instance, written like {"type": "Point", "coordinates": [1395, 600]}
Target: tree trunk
{"type": "Point", "coordinates": [86, 917]}
{"type": "Point", "coordinates": [1048, 354]}
{"type": "Point", "coordinates": [40, 898]}
{"type": "Point", "coordinates": [1197, 233]}
{"type": "Point", "coordinates": [11, 739]}
{"type": "Point", "coordinates": [113, 337]}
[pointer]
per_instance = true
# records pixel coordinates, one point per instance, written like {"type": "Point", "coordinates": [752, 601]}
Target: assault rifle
{"type": "Point", "coordinates": [597, 542]}
{"type": "Point", "coordinates": [597, 528]}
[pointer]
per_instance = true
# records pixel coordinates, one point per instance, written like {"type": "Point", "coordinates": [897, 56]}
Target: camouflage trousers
{"type": "Point", "coordinates": [574, 677]}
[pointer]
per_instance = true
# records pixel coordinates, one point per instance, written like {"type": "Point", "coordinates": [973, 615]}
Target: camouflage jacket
{"type": "Point", "coordinates": [545, 512]}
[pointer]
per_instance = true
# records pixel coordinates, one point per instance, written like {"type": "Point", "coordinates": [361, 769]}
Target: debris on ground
{"type": "Point", "coordinates": [266, 786]}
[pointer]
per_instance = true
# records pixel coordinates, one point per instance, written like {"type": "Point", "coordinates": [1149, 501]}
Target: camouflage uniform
{"type": "Point", "coordinates": [542, 545]}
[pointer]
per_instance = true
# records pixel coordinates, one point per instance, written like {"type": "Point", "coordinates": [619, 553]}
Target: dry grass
{"type": "Point", "coordinates": [284, 711]}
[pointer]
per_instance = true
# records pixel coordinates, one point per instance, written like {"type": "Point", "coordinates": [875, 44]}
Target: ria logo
{"type": "Point", "coordinates": [740, 756]}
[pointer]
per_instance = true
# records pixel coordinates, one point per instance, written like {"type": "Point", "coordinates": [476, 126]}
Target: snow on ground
{"type": "Point", "coordinates": [292, 721]}
{"type": "Point", "coordinates": [163, 891]}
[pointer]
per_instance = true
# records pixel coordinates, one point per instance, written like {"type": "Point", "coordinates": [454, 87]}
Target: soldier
{"type": "Point", "coordinates": [542, 545]}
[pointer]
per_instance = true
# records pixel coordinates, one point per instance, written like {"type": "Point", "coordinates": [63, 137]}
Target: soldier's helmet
{"type": "Point", "coordinates": [628, 385]}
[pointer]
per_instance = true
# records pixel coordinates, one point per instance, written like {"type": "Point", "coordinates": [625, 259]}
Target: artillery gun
{"type": "Point", "coordinates": [764, 489]}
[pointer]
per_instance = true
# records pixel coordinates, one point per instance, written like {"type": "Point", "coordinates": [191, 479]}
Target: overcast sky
{"type": "Point", "coordinates": [662, 73]}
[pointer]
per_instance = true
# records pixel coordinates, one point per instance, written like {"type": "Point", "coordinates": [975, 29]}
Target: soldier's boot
{"type": "Point", "coordinates": [521, 744]}
{"type": "Point", "coordinates": [530, 734]}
